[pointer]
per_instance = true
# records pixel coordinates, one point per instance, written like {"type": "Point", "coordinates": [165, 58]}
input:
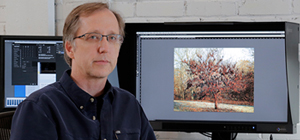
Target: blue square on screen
{"type": "Point", "coordinates": [20, 91]}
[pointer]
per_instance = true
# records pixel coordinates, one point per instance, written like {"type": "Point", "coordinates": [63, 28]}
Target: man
{"type": "Point", "coordinates": [83, 105]}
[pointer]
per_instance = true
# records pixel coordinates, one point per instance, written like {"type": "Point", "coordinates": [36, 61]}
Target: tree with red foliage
{"type": "Point", "coordinates": [213, 77]}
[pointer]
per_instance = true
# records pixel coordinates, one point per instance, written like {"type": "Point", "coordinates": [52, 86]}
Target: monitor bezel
{"type": "Point", "coordinates": [2, 61]}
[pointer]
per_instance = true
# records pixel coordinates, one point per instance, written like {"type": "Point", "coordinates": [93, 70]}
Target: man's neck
{"type": "Point", "coordinates": [91, 85]}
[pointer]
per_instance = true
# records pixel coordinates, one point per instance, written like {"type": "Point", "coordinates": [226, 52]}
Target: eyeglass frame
{"type": "Point", "coordinates": [80, 36]}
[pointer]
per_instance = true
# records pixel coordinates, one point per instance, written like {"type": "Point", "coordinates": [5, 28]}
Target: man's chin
{"type": "Point", "coordinates": [98, 75]}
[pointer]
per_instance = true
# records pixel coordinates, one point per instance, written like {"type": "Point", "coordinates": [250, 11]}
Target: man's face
{"type": "Point", "coordinates": [95, 60]}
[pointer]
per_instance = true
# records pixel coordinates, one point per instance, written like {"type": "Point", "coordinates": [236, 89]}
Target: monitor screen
{"type": "Point", "coordinates": [188, 71]}
{"type": "Point", "coordinates": [30, 63]}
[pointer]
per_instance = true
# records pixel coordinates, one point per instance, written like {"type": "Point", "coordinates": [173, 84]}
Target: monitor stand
{"type": "Point", "coordinates": [221, 136]}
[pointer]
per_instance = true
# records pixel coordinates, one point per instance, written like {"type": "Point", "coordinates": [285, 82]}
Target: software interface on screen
{"type": "Point", "coordinates": [211, 76]}
{"type": "Point", "coordinates": [29, 66]}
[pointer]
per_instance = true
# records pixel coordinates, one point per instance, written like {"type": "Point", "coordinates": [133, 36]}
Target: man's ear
{"type": "Point", "coordinates": [69, 49]}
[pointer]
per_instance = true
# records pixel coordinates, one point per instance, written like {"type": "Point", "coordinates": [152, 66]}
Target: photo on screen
{"type": "Point", "coordinates": [214, 80]}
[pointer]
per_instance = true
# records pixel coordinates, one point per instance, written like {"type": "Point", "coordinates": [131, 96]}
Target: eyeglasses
{"type": "Point", "coordinates": [96, 38]}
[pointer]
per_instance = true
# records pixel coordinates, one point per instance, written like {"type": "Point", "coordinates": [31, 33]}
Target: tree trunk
{"type": "Point", "coordinates": [216, 100]}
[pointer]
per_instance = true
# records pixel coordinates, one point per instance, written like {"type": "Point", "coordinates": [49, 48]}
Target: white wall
{"type": "Point", "coordinates": [34, 17]}
{"type": "Point", "coordinates": [30, 17]}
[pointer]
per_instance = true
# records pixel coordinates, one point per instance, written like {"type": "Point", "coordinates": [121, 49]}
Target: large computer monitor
{"type": "Point", "coordinates": [227, 77]}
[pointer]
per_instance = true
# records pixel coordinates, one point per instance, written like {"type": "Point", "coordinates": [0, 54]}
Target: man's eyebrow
{"type": "Point", "coordinates": [99, 32]}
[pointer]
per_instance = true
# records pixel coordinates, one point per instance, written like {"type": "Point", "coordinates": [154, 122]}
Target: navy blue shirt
{"type": "Point", "coordinates": [63, 111]}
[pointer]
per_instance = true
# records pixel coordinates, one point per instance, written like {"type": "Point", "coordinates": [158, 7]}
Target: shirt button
{"type": "Point", "coordinates": [94, 118]}
{"type": "Point", "coordinates": [81, 107]}
{"type": "Point", "coordinates": [92, 100]}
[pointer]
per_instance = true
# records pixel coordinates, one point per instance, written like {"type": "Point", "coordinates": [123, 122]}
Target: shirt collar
{"type": "Point", "coordinates": [79, 96]}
